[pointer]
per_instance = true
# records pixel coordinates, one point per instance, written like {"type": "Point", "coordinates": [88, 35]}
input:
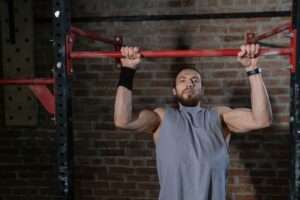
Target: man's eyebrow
{"type": "Point", "coordinates": [181, 76]}
{"type": "Point", "coordinates": [197, 77]}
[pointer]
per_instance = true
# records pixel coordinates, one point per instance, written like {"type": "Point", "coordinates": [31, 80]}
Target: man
{"type": "Point", "coordinates": [192, 141]}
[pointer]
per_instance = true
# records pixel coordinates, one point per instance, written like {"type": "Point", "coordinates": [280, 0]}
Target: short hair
{"type": "Point", "coordinates": [184, 68]}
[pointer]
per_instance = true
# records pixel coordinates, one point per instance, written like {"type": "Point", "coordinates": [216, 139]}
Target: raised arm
{"type": "Point", "coordinates": [260, 115]}
{"type": "Point", "coordinates": [145, 121]}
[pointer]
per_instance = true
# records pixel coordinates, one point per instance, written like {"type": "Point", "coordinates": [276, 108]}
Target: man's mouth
{"type": "Point", "coordinates": [188, 91]}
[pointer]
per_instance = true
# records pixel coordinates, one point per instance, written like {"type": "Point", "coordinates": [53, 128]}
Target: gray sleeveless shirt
{"type": "Point", "coordinates": [192, 155]}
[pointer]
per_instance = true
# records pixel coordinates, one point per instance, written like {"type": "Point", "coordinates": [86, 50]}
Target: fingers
{"type": "Point", "coordinates": [136, 52]}
{"type": "Point", "coordinates": [257, 48]}
{"type": "Point", "coordinates": [243, 51]}
{"type": "Point", "coordinates": [130, 52]}
{"type": "Point", "coordinates": [249, 51]}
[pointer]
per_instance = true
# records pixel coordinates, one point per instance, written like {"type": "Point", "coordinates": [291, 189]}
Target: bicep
{"type": "Point", "coordinates": [144, 121]}
{"type": "Point", "coordinates": [240, 120]}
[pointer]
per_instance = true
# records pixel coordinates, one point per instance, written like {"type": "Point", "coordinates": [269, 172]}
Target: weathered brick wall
{"type": "Point", "coordinates": [117, 165]}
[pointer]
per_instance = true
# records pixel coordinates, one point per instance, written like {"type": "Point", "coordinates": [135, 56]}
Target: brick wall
{"type": "Point", "coordinates": [117, 165]}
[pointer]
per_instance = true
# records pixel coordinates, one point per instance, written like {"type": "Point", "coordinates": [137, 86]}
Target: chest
{"type": "Point", "coordinates": [192, 140]}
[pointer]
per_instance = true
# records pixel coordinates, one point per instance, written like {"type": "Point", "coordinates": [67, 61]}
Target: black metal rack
{"type": "Point", "coordinates": [64, 132]}
{"type": "Point", "coordinates": [294, 175]}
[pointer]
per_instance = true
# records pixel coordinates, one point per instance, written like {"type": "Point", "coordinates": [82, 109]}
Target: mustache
{"type": "Point", "coordinates": [188, 89]}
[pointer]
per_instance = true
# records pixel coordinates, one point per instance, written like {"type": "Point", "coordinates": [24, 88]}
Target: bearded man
{"type": "Point", "coordinates": [192, 141]}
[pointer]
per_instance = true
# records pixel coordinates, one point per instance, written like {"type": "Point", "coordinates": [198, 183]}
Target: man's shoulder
{"type": "Point", "coordinates": [160, 111]}
{"type": "Point", "coordinates": [221, 109]}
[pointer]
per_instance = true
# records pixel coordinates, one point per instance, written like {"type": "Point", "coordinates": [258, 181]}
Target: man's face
{"type": "Point", "coordinates": [188, 87]}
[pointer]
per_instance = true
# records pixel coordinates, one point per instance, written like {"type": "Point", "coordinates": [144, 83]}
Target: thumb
{"type": "Point", "coordinates": [239, 56]}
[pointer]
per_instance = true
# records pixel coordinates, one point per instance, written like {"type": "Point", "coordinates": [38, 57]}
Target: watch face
{"type": "Point", "coordinates": [255, 71]}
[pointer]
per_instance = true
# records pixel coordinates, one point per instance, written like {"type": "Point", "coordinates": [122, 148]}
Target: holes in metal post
{"type": "Point", "coordinates": [59, 94]}
{"type": "Point", "coordinates": [58, 34]}
{"type": "Point", "coordinates": [16, 68]}
{"type": "Point", "coordinates": [59, 55]}
{"type": "Point", "coordinates": [28, 60]}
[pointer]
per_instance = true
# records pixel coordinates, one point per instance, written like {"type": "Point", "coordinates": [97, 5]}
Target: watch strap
{"type": "Point", "coordinates": [254, 71]}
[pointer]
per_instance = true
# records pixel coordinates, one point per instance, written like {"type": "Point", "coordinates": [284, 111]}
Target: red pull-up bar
{"type": "Point", "coordinates": [177, 53]}
{"type": "Point", "coordinates": [26, 81]}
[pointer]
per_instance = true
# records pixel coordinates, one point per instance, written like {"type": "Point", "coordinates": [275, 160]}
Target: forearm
{"type": "Point", "coordinates": [145, 121]}
{"type": "Point", "coordinates": [123, 102]}
{"type": "Point", "coordinates": [260, 103]}
{"type": "Point", "coordinates": [123, 106]}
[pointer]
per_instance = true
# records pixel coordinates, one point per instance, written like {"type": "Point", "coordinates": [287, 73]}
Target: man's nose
{"type": "Point", "coordinates": [190, 84]}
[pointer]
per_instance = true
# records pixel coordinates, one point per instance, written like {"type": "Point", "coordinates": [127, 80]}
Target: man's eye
{"type": "Point", "coordinates": [195, 80]}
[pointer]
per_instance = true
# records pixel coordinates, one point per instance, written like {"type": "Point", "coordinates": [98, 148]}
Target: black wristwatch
{"type": "Point", "coordinates": [254, 71]}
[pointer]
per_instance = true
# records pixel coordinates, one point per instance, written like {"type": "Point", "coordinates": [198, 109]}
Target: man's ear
{"type": "Point", "coordinates": [174, 91]}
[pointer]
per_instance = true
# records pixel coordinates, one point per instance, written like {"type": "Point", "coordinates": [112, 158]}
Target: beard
{"type": "Point", "coordinates": [189, 99]}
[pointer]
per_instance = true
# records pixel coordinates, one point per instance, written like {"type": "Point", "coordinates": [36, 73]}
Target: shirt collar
{"type": "Point", "coordinates": [190, 109]}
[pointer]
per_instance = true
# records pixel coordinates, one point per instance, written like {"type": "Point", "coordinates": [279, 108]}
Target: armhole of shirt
{"type": "Point", "coordinates": [220, 127]}
{"type": "Point", "coordinates": [162, 124]}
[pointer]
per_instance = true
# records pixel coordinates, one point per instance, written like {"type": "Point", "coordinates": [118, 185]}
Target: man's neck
{"type": "Point", "coordinates": [198, 105]}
